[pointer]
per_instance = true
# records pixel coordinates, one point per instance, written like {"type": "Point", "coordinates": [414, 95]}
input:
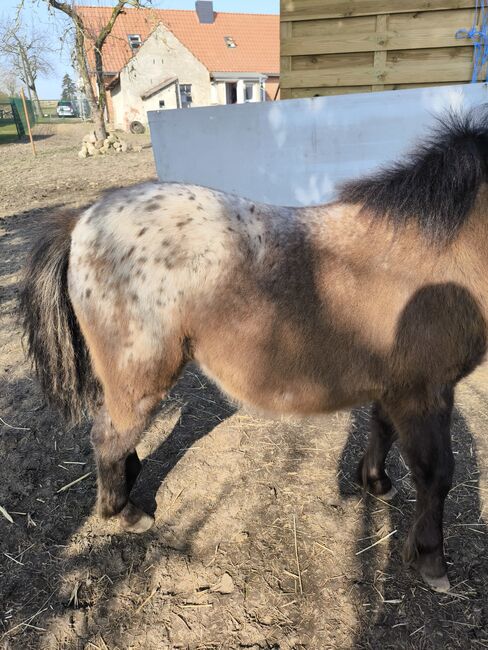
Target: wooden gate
{"type": "Point", "coordinates": [330, 47]}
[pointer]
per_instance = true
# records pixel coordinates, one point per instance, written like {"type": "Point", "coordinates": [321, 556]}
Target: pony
{"type": "Point", "coordinates": [379, 296]}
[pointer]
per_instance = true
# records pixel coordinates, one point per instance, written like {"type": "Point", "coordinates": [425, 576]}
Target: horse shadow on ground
{"type": "Point", "coordinates": [32, 444]}
{"type": "Point", "coordinates": [396, 609]}
{"type": "Point", "coordinates": [204, 408]}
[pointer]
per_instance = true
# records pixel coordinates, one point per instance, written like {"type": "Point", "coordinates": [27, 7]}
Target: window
{"type": "Point", "coordinates": [185, 95]}
{"type": "Point", "coordinates": [161, 103]}
{"type": "Point", "coordinates": [229, 41]}
{"type": "Point", "coordinates": [248, 91]}
{"type": "Point", "coordinates": [135, 41]}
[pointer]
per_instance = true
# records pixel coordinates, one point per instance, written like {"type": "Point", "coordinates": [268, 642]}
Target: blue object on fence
{"type": "Point", "coordinates": [479, 38]}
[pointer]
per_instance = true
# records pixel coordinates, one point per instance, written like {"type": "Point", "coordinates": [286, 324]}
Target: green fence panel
{"type": "Point", "coordinates": [10, 124]}
{"type": "Point", "coordinates": [19, 109]}
{"type": "Point", "coordinates": [13, 119]}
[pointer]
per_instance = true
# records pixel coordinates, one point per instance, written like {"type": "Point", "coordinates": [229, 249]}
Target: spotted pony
{"type": "Point", "coordinates": [380, 296]}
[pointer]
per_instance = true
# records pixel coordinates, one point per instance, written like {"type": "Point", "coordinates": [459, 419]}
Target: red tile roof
{"type": "Point", "coordinates": [256, 36]}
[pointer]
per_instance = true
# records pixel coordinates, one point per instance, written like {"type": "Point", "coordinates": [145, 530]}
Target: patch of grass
{"type": "Point", "coordinates": [8, 133]}
{"type": "Point", "coordinates": [58, 120]}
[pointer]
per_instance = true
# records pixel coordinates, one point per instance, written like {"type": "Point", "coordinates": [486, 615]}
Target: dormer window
{"type": "Point", "coordinates": [229, 41]}
{"type": "Point", "coordinates": [135, 41]}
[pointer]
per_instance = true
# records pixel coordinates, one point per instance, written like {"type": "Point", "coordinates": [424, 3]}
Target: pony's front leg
{"type": "Point", "coordinates": [371, 474]}
{"type": "Point", "coordinates": [426, 441]}
{"type": "Point", "coordinates": [118, 467]}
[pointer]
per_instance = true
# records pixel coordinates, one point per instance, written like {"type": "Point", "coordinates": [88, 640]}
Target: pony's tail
{"type": "Point", "coordinates": [54, 339]}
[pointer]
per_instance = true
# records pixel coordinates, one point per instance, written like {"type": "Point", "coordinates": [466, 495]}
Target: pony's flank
{"type": "Point", "coordinates": [436, 185]}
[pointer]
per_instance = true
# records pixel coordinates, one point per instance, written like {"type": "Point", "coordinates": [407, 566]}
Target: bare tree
{"type": "Point", "coordinates": [86, 40]}
{"type": "Point", "coordinates": [9, 81]}
{"type": "Point", "coordinates": [27, 53]}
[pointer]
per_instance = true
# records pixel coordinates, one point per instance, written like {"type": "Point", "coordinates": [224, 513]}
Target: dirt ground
{"type": "Point", "coordinates": [261, 538]}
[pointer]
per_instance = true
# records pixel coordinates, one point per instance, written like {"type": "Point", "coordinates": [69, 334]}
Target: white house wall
{"type": "Point", "coordinates": [161, 56]}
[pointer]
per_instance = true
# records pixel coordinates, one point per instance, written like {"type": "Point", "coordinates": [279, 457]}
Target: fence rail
{"type": "Point", "coordinates": [331, 47]}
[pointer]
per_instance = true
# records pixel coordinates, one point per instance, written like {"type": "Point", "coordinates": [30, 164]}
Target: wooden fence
{"type": "Point", "coordinates": [331, 47]}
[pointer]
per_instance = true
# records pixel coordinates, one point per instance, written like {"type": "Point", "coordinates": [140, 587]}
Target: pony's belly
{"type": "Point", "coordinates": [287, 398]}
{"type": "Point", "coordinates": [293, 394]}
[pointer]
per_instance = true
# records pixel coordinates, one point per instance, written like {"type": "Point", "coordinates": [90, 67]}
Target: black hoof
{"type": "Point", "coordinates": [381, 486]}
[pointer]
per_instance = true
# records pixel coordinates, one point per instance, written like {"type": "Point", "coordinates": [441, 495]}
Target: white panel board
{"type": "Point", "coordinates": [294, 152]}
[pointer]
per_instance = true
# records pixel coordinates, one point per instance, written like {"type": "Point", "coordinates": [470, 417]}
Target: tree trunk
{"type": "Point", "coordinates": [36, 100]}
{"type": "Point", "coordinates": [102, 93]}
{"type": "Point", "coordinates": [30, 80]}
{"type": "Point", "coordinates": [26, 79]}
{"type": "Point", "coordinates": [96, 110]}
{"type": "Point", "coordinates": [100, 127]}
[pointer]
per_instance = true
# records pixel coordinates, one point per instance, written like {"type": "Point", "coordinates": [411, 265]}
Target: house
{"type": "Point", "coordinates": [162, 59]}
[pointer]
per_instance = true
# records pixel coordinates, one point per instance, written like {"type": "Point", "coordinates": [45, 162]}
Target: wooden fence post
{"type": "Point", "coordinates": [24, 104]}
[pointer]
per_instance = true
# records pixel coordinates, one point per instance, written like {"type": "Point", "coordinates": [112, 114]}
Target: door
{"type": "Point", "coordinates": [231, 93]}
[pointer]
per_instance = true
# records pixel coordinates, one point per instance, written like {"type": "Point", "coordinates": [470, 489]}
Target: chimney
{"type": "Point", "coordinates": [205, 12]}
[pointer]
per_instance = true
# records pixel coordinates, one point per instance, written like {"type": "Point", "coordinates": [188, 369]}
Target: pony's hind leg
{"type": "Point", "coordinates": [118, 466]}
{"type": "Point", "coordinates": [371, 474]}
{"type": "Point", "coordinates": [424, 436]}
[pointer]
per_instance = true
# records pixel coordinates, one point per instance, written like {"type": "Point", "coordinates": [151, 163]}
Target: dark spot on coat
{"type": "Point", "coordinates": [252, 208]}
{"type": "Point", "coordinates": [150, 207]}
{"type": "Point", "coordinates": [141, 232]}
{"type": "Point", "coordinates": [165, 242]}
{"type": "Point", "coordinates": [88, 293]}
{"type": "Point", "coordinates": [121, 207]}
{"type": "Point", "coordinates": [134, 297]}
{"type": "Point", "coordinates": [192, 197]}
{"type": "Point", "coordinates": [199, 207]}
{"type": "Point", "coordinates": [142, 259]}
{"type": "Point", "coordinates": [157, 260]}
{"type": "Point", "coordinates": [180, 224]}
{"type": "Point", "coordinates": [129, 252]}
{"type": "Point", "coordinates": [238, 217]}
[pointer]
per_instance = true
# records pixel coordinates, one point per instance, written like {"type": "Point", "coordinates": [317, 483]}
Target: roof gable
{"type": "Point", "coordinates": [256, 37]}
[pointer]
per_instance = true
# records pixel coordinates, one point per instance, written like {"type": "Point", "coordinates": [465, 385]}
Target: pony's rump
{"type": "Point", "coordinates": [54, 340]}
{"type": "Point", "coordinates": [437, 184]}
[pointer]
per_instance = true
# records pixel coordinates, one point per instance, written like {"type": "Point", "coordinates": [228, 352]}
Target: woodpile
{"type": "Point", "coordinates": [112, 144]}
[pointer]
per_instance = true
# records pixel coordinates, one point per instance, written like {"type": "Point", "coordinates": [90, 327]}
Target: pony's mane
{"type": "Point", "coordinates": [436, 184]}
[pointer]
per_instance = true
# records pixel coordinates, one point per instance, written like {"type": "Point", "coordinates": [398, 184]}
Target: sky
{"type": "Point", "coordinates": [36, 11]}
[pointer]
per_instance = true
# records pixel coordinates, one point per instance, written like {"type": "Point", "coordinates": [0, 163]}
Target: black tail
{"type": "Point", "coordinates": [55, 342]}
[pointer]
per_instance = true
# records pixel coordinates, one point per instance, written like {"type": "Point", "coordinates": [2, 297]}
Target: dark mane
{"type": "Point", "coordinates": [437, 184]}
